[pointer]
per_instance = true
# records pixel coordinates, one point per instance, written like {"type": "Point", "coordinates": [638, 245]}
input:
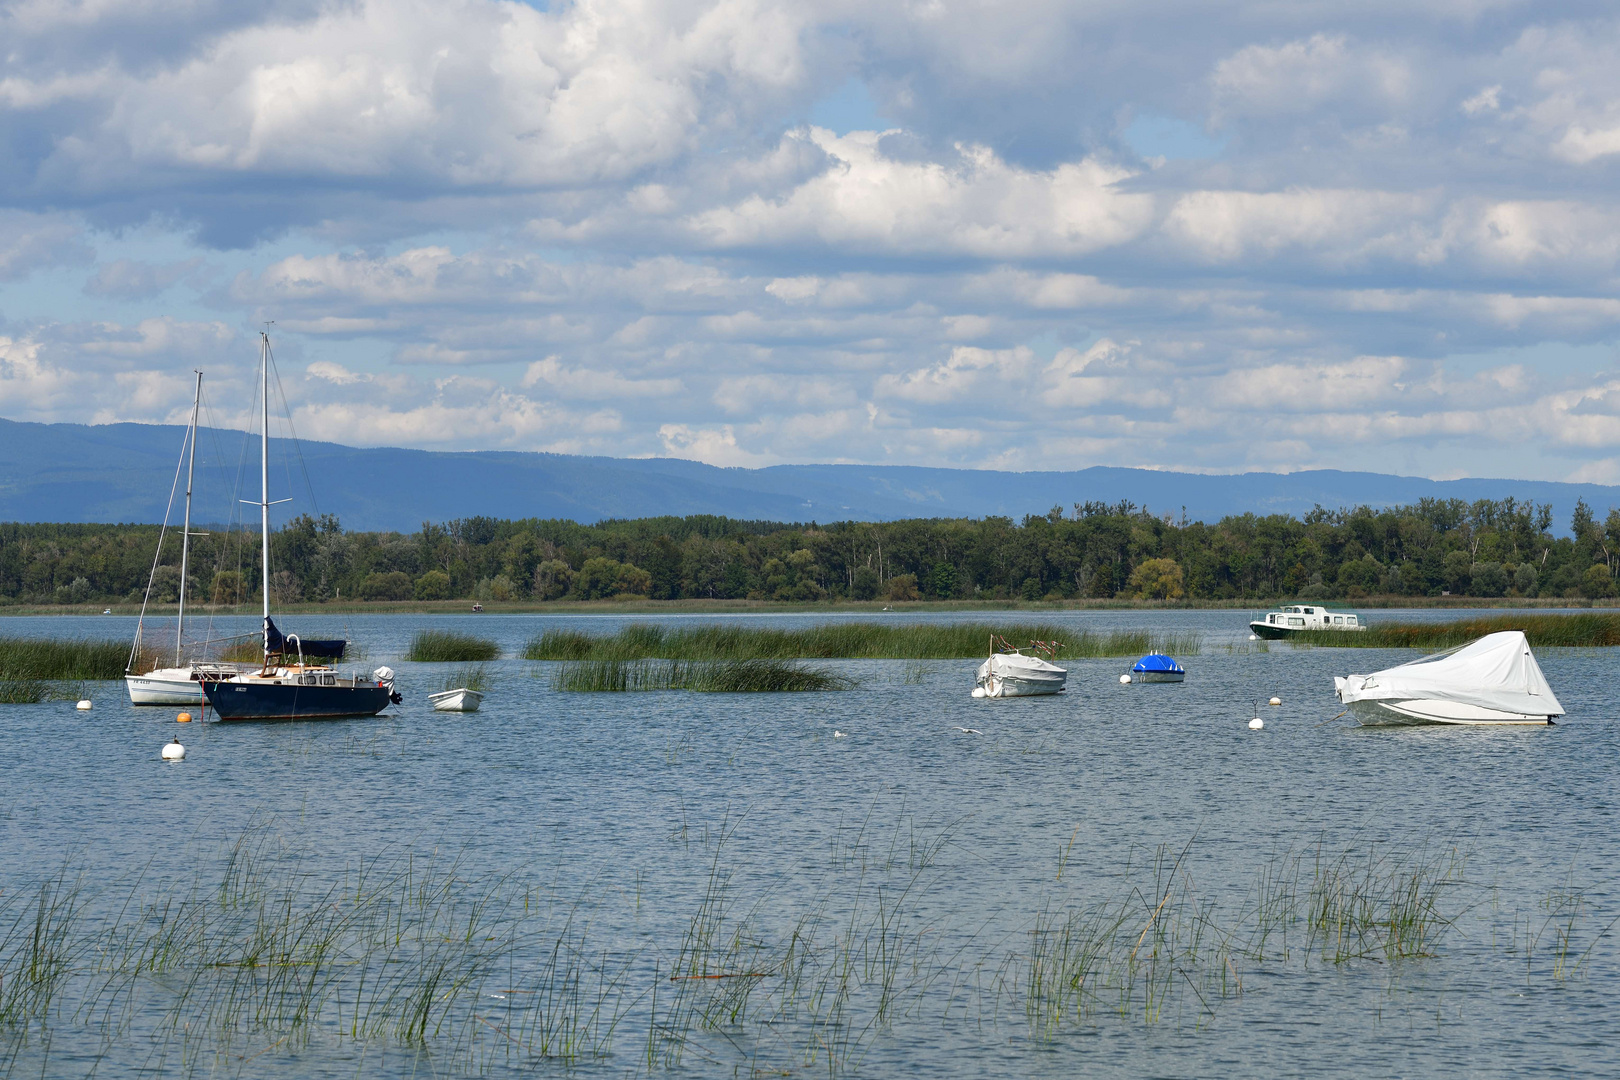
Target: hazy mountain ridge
{"type": "Point", "coordinates": [123, 472]}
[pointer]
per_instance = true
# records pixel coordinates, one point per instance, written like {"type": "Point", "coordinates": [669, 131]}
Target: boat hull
{"type": "Point", "coordinates": [290, 701]}
{"type": "Point", "coordinates": [457, 701]}
{"type": "Point", "coordinates": [160, 688]}
{"type": "Point", "coordinates": [1271, 632]}
{"type": "Point", "coordinates": [1388, 713]}
{"type": "Point", "coordinates": [1158, 676]}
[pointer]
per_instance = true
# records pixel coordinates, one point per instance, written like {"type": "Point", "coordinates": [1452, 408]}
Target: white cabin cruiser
{"type": "Point", "coordinates": [1294, 618]}
{"type": "Point", "coordinates": [1492, 681]}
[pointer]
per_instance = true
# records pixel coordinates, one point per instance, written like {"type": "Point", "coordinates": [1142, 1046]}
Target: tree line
{"type": "Point", "coordinates": [1489, 548]}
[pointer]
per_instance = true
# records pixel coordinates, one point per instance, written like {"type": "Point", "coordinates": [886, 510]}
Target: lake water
{"type": "Point", "coordinates": [923, 866]}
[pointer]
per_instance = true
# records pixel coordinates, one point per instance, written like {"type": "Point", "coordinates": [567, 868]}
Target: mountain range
{"type": "Point", "coordinates": [124, 473]}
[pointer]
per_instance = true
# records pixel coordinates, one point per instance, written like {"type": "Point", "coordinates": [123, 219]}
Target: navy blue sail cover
{"type": "Point", "coordinates": [1157, 662]}
{"type": "Point", "coordinates": [275, 642]}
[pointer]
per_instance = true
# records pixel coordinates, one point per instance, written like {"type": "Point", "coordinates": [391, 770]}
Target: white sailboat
{"type": "Point", "coordinates": [182, 683]}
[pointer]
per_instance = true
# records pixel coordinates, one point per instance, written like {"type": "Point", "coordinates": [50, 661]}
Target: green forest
{"type": "Point", "coordinates": [1090, 550]}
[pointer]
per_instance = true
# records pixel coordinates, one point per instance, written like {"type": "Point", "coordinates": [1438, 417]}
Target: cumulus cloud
{"type": "Point", "coordinates": [610, 226]}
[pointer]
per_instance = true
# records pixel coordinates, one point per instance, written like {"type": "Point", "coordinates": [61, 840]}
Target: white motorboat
{"type": "Point", "coordinates": [1010, 673]}
{"type": "Point", "coordinates": [461, 700]}
{"type": "Point", "coordinates": [1291, 620]}
{"type": "Point", "coordinates": [1489, 682]}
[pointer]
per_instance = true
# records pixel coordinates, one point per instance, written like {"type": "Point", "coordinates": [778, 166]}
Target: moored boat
{"type": "Point", "coordinates": [458, 700]}
{"type": "Point", "coordinates": [1157, 667]}
{"type": "Point", "coordinates": [287, 686]}
{"type": "Point", "coordinates": [1494, 681]}
{"type": "Point", "coordinates": [1297, 617]}
{"type": "Point", "coordinates": [1010, 673]}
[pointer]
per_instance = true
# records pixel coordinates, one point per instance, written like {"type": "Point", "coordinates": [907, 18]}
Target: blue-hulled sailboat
{"type": "Point", "coordinates": [292, 683]}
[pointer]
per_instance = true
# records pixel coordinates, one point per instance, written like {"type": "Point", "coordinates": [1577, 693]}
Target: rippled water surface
{"type": "Point", "coordinates": [935, 851]}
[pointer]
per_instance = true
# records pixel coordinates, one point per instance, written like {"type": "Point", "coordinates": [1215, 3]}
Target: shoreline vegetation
{"type": "Point", "coordinates": [1590, 630]}
{"type": "Point", "coordinates": [845, 641]}
{"type": "Point", "coordinates": [1085, 552]}
{"type": "Point", "coordinates": [700, 676]}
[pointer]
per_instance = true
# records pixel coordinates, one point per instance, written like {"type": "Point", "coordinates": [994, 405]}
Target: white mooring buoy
{"type": "Point", "coordinates": [83, 705]}
{"type": "Point", "coordinates": [978, 691]}
{"type": "Point", "coordinates": [1275, 701]}
{"type": "Point", "coordinates": [174, 751]}
{"type": "Point", "coordinates": [1256, 724]}
{"type": "Point", "coordinates": [1124, 680]}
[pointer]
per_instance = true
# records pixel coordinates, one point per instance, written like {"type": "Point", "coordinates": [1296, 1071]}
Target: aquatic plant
{"type": "Point", "coordinates": [845, 641]}
{"type": "Point", "coordinates": [23, 691]}
{"type": "Point", "coordinates": [1586, 629]}
{"type": "Point", "coordinates": [58, 658]}
{"type": "Point", "coordinates": [718, 676]}
{"type": "Point", "coordinates": [440, 646]}
{"type": "Point", "coordinates": [472, 677]}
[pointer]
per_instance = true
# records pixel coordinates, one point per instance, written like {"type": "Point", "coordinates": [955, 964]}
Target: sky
{"type": "Point", "coordinates": [1212, 237]}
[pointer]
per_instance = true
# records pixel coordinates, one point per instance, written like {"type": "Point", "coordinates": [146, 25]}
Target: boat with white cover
{"type": "Point", "coordinates": [1489, 682]}
{"type": "Point", "coordinates": [1296, 617]}
{"type": "Point", "coordinates": [1010, 673]}
{"type": "Point", "coordinates": [460, 700]}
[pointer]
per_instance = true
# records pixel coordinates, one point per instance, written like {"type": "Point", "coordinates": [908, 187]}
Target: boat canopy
{"type": "Point", "coordinates": [1496, 672]}
{"type": "Point", "coordinates": [1158, 662]}
{"type": "Point", "coordinates": [275, 643]}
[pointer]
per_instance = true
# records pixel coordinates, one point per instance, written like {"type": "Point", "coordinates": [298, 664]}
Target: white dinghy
{"type": "Point", "coordinates": [459, 700]}
{"type": "Point", "coordinates": [1492, 681]}
{"type": "Point", "coordinates": [1012, 674]}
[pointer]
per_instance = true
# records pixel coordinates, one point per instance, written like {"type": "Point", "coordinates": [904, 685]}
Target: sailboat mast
{"type": "Point", "coordinates": [185, 531]}
{"type": "Point", "coordinates": [264, 480]}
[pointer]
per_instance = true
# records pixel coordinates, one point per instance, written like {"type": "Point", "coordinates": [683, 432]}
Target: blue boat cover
{"type": "Point", "coordinates": [1158, 662]}
{"type": "Point", "coordinates": [275, 643]}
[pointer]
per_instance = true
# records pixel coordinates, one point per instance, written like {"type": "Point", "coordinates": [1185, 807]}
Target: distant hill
{"type": "Point", "coordinates": [123, 472]}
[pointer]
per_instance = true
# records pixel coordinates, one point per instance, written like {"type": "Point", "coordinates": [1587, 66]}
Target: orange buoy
{"type": "Point", "coordinates": [184, 718]}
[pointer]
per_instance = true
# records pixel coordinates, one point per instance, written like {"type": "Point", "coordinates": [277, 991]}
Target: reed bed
{"type": "Point", "coordinates": [845, 641]}
{"type": "Point", "coordinates": [55, 658]}
{"type": "Point", "coordinates": [447, 646]}
{"type": "Point", "coordinates": [472, 677]}
{"type": "Point", "coordinates": [703, 676]}
{"type": "Point", "coordinates": [1579, 630]}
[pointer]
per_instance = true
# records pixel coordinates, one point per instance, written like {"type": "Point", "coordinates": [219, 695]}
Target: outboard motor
{"type": "Point", "coordinates": [385, 677]}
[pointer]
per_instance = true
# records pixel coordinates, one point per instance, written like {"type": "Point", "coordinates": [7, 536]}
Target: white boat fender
{"type": "Point", "coordinates": [83, 705]}
{"type": "Point", "coordinates": [1275, 701]}
{"type": "Point", "coordinates": [1124, 680]}
{"type": "Point", "coordinates": [174, 751]}
{"type": "Point", "coordinates": [1256, 724]}
{"type": "Point", "coordinates": [978, 691]}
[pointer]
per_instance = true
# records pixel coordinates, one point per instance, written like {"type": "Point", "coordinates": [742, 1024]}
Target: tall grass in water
{"type": "Point", "coordinates": [719, 676]}
{"type": "Point", "coordinates": [1579, 630]}
{"type": "Point", "coordinates": [51, 658]}
{"type": "Point", "coordinates": [845, 641]}
{"type": "Point", "coordinates": [471, 677]}
{"type": "Point", "coordinates": [439, 646]}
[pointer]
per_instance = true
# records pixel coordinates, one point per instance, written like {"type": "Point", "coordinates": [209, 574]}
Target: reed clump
{"type": "Point", "coordinates": [703, 676]}
{"type": "Point", "coordinates": [1587, 629]}
{"type": "Point", "coordinates": [447, 646]}
{"type": "Point", "coordinates": [24, 691]}
{"type": "Point", "coordinates": [846, 641]}
{"type": "Point", "coordinates": [56, 658]}
{"type": "Point", "coordinates": [472, 677]}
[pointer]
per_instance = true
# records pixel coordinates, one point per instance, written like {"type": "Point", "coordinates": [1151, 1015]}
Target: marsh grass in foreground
{"type": "Point", "coordinates": [1580, 630]}
{"type": "Point", "coordinates": [54, 658]}
{"type": "Point", "coordinates": [440, 646]}
{"type": "Point", "coordinates": [480, 973]}
{"type": "Point", "coordinates": [846, 641]}
{"type": "Point", "coordinates": [706, 676]}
